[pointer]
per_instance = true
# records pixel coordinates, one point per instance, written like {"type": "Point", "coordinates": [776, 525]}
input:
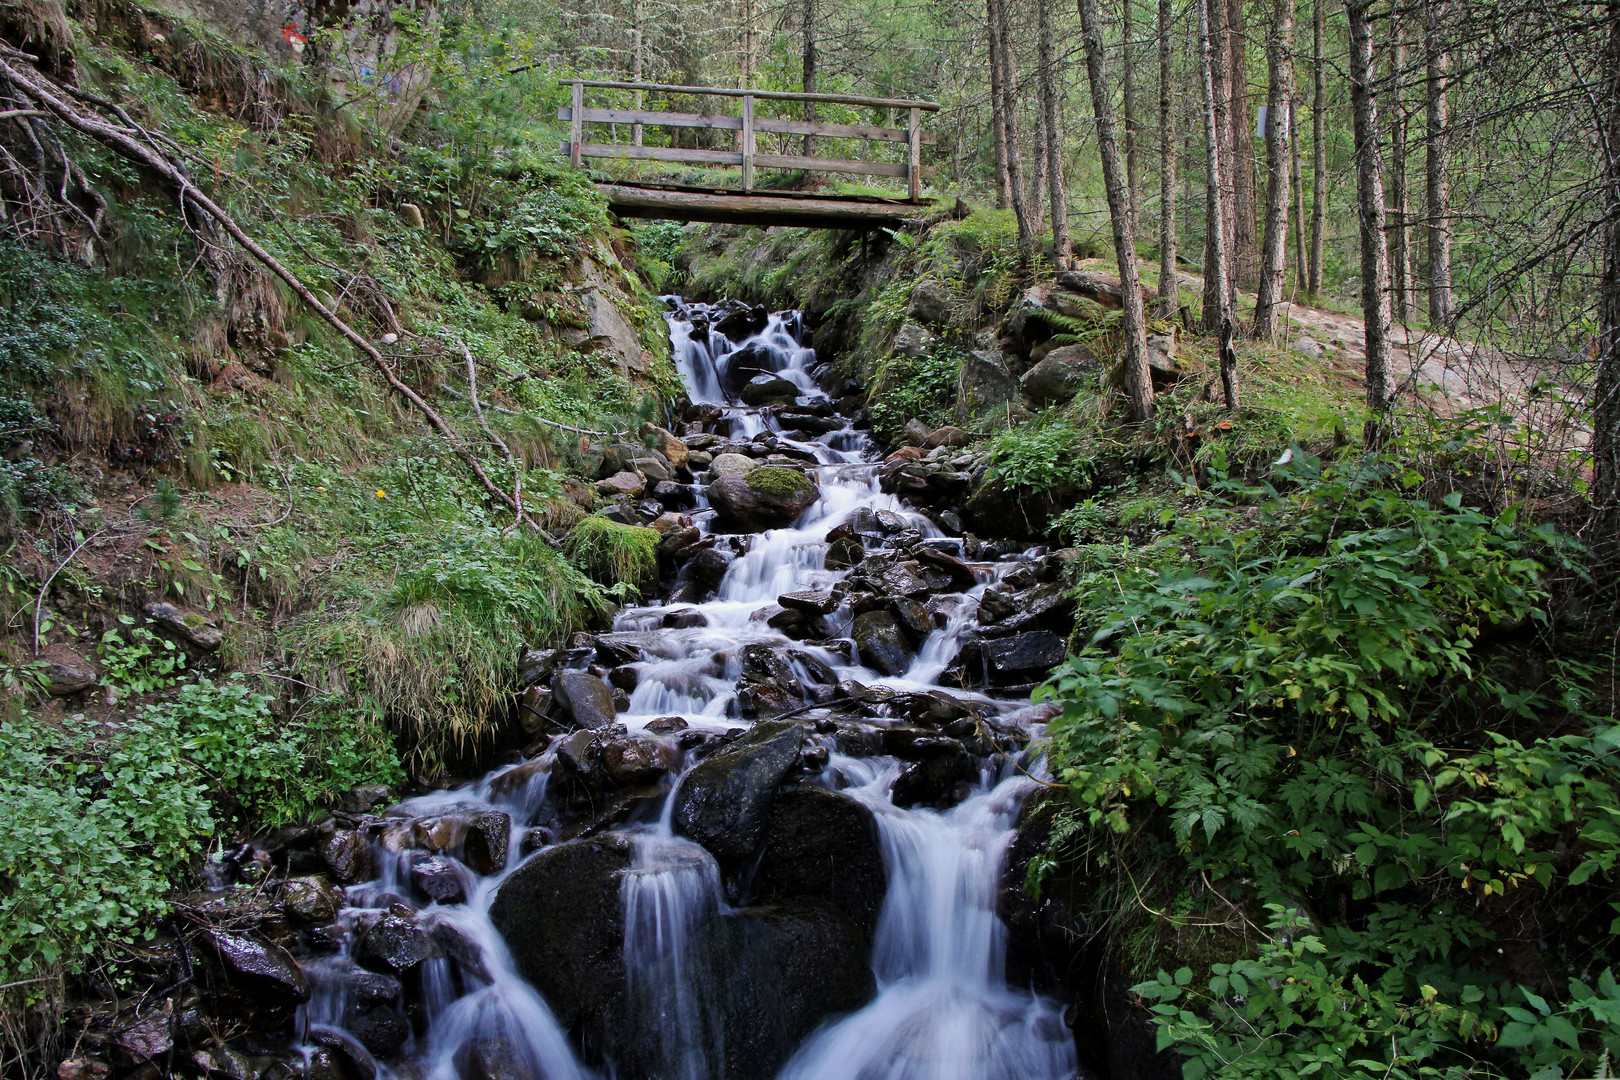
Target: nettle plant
{"type": "Point", "coordinates": [1291, 698]}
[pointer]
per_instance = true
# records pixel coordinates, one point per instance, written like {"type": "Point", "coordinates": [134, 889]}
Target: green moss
{"type": "Point", "coordinates": [778, 481]}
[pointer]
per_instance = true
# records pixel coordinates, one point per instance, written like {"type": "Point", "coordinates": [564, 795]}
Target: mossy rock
{"type": "Point", "coordinates": [780, 482]}
{"type": "Point", "coordinates": [770, 497]}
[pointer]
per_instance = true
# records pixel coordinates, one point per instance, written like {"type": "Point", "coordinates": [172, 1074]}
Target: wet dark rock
{"type": "Point", "coordinates": [722, 802]}
{"type": "Point", "coordinates": [674, 496]}
{"type": "Point", "coordinates": [381, 1030]}
{"type": "Point", "coordinates": [913, 617]}
{"type": "Point", "coordinates": [257, 968]}
{"type": "Point", "coordinates": [1014, 659]}
{"type": "Point", "coordinates": [150, 1038]}
{"type": "Point", "coordinates": [83, 1067]}
{"type": "Point", "coordinates": [625, 676]}
{"type": "Point", "coordinates": [932, 779]}
{"type": "Point", "coordinates": [768, 389]}
{"type": "Point", "coordinates": [631, 762]}
{"type": "Point", "coordinates": [222, 1061]}
{"type": "Point", "coordinates": [584, 698]}
{"type": "Point", "coordinates": [393, 945]}
{"type": "Point", "coordinates": [484, 847]}
{"type": "Point", "coordinates": [562, 915]}
{"type": "Point", "coordinates": [961, 574]}
{"type": "Point", "coordinates": [709, 566]}
{"type": "Point", "coordinates": [996, 604]}
{"type": "Point", "coordinates": [685, 620]}
{"type": "Point", "coordinates": [823, 845]}
{"type": "Point", "coordinates": [493, 1057]}
{"type": "Point", "coordinates": [764, 698]}
{"type": "Point", "coordinates": [770, 497]}
{"type": "Point", "coordinates": [347, 1057]}
{"type": "Point", "coordinates": [666, 724]}
{"type": "Point", "coordinates": [903, 579]}
{"type": "Point", "coordinates": [810, 602]}
{"type": "Point", "coordinates": [882, 643]}
{"type": "Point", "coordinates": [844, 552]}
{"type": "Point", "coordinates": [437, 878]}
{"type": "Point", "coordinates": [742, 323]}
{"type": "Point", "coordinates": [814, 758]}
{"type": "Point", "coordinates": [310, 901]}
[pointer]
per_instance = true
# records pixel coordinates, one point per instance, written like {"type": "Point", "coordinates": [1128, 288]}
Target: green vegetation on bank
{"type": "Point", "coordinates": [1330, 724]}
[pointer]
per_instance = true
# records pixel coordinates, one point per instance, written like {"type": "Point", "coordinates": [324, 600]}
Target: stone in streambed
{"type": "Point", "coordinates": [257, 967]}
{"type": "Point", "coordinates": [310, 901]}
{"type": "Point", "coordinates": [584, 698]}
{"type": "Point", "coordinates": [722, 803]}
{"type": "Point", "coordinates": [769, 390]}
{"type": "Point", "coordinates": [562, 916]}
{"type": "Point", "coordinates": [769, 497]}
{"type": "Point", "coordinates": [932, 779]}
{"type": "Point", "coordinates": [823, 845]}
{"type": "Point", "coordinates": [882, 643]}
{"type": "Point", "coordinates": [489, 832]}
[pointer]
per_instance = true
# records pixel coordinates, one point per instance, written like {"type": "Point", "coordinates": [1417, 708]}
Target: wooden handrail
{"type": "Point", "coordinates": [769, 95]}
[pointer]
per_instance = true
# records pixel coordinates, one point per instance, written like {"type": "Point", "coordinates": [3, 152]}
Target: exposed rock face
{"type": "Point", "coordinates": [723, 802]}
{"type": "Point", "coordinates": [770, 497]}
{"type": "Point", "coordinates": [1061, 374]}
{"type": "Point", "coordinates": [190, 626]}
{"type": "Point", "coordinates": [931, 302]}
{"type": "Point", "coordinates": [984, 385]}
{"type": "Point", "coordinates": [562, 915]}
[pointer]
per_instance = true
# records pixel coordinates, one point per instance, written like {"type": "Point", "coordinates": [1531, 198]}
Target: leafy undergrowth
{"type": "Point", "coordinates": [1334, 720]}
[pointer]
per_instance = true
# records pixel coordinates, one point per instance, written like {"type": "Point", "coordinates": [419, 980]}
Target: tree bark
{"type": "Point", "coordinates": [1052, 108]}
{"type": "Point", "coordinates": [809, 71]}
{"type": "Point", "coordinates": [1436, 168]}
{"type": "Point", "coordinates": [1169, 280]}
{"type": "Point", "coordinates": [1241, 165]}
{"type": "Point", "coordinates": [1400, 232]}
{"type": "Point", "coordinates": [1127, 58]}
{"type": "Point", "coordinates": [1219, 183]}
{"type": "Point", "coordinates": [1009, 118]}
{"type": "Point", "coordinates": [1606, 387]}
{"type": "Point", "coordinates": [1370, 201]}
{"type": "Point", "coordinates": [1313, 278]}
{"type": "Point", "coordinates": [1034, 201]}
{"type": "Point", "coordinates": [1216, 267]}
{"type": "Point", "coordinates": [1138, 381]}
{"type": "Point", "coordinates": [1301, 255]}
{"type": "Point", "coordinates": [998, 125]}
{"type": "Point", "coordinates": [1274, 253]}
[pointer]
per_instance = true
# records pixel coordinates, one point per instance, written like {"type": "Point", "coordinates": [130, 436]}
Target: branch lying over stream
{"type": "Point", "coordinates": [134, 143]}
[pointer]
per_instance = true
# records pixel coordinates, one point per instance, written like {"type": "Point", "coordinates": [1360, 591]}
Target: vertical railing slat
{"type": "Point", "coordinates": [576, 123]}
{"type": "Point", "coordinates": [748, 142]}
{"type": "Point", "coordinates": [914, 155]}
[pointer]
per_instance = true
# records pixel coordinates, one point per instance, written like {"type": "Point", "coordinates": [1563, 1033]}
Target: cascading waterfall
{"type": "Point", "coordinates": [943, 1009]}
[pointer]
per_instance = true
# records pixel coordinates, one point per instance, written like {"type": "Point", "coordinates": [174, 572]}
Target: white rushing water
{"type": "Point", "coordinates": [943, 1009]}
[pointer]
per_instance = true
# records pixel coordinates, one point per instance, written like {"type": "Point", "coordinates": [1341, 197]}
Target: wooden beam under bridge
{"type": "Point", "coordinates": [826, 212]}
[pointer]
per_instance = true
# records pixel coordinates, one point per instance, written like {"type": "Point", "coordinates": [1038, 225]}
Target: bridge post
{"type": "Point", "coordinates": [747, 147]}
{"type": "Point", "coordinates": [576, 123]}
{"type": "Point", "coordinates": [914, 155]}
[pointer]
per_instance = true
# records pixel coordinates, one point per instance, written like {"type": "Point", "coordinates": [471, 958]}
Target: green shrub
{"type": "Point", "coordinates": [1048, 454]}
{"type": "Point", "coordinates": [137, 660]}
{"type": "Point", "coordinates": [907, 389]}
{"type": "Point", "coordinates": [1289, 697]}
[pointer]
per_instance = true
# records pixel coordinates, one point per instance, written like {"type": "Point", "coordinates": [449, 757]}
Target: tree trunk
{"type": "Point", "coordinates": [1219, 184]}
{"type": "Point", "coordinates": [1009, 119]}
{"type": "Point", "coordinates": [1370, 201]}
{"type": "Point", "coordinates": [1241, 165]}
{"type": "Point", "coordinates": [1216, 267]}
{"type": "Point", "coordinates": [1169, 280]}
{"type": "Point", "coordinates": [1400, 233]}
{"type": "Point", "coordinates": [1052, 108]}
{"type": "Point", "coordinates": [1138, 381]}
{"type": "Point", "coordinates": [1274, 253]}
{"type": "Point", "coordinates": [1606, 388]}
{"type": "Point", "coordinates": [809, 71]}
{"type": "Point", "coordinates": [1037, 180]}
{"type": "Point", "coordinates": [1313, 279]}
{"type": "Point", "coordinates": [998, 126]}
{"type": "Point", "coordinates": [1127, 57]}
{"type": "Point", "coordinates": [1436, 169]}
{"type": "Point", "coordinates": [1301, 255]}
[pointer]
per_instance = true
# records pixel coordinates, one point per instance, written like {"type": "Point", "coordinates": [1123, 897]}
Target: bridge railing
{"type": "Point", "coordinates": [748, 125]}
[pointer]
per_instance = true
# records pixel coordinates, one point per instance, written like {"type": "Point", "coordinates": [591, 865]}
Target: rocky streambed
{"type": "Point", "coordinates": [761, 828]}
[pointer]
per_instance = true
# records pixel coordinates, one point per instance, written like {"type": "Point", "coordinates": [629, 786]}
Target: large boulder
{"type": "Point", "coordinates": [914, 342]}
{"type": "Point", "coordinates": [823, 845]}
{"type": "Point", "coordinates": [1061, 374]}
{"type": "Point", "coordinates": [931, 302]}
{"type": "Point", "coordinates": [723, 803]}
{"type": "Point", "coordinates": [757, 982]}
{"type": "Point", "coordinates": [585, 698]}
{"type": "Point", "coordinates": [769, 390]}
{"type": "Point", "coordinates": [562, 916]}
{"type": "Point", "coordinates": [731, 465]}
{"type": "Point", "coordinates": [882, 643]}
{"type": "Point", "coordinates": [258, 968]}
{"type": "Point", "coordinates": [984, 385]}
{"type": "Point", "coordinates": [770, 497]}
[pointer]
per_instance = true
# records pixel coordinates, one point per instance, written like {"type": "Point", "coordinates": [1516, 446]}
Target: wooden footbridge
{"type": "Point", "coordinates": [748, 203]}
